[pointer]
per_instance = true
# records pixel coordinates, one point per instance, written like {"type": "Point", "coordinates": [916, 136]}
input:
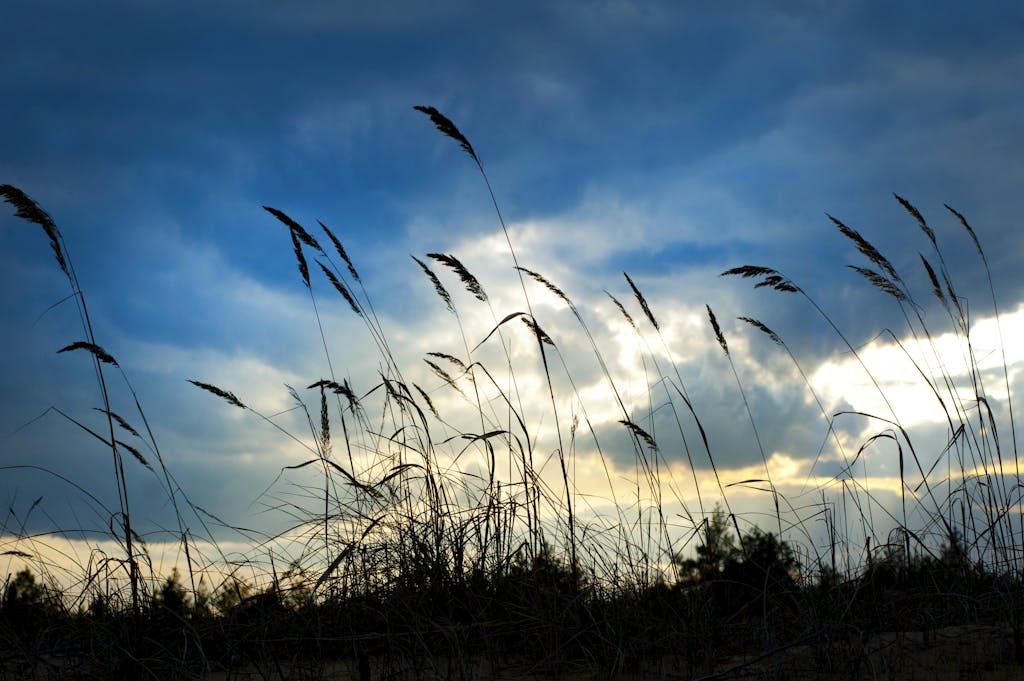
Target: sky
{"type": "Point", "coordinates": [671, 141]}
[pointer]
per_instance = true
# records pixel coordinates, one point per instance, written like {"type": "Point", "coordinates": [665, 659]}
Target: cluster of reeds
{"type": "Point", "coordinates": [438, 529]}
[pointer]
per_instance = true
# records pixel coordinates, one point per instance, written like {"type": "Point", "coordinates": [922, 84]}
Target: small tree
{"type": "Point", "coordinates": [23, 591]}
{"type": "Point", "coordinates": [768, 562]}
{"type": "Point", "coordinates": [172, 596]}
{"type": "Point", "coordinates": [26, 605]}
{"type": "Point", "coordinates": [715, 553]}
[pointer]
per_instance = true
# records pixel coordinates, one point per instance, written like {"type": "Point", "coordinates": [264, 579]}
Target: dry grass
{"type": "Point", "coordinates": [426, 543]}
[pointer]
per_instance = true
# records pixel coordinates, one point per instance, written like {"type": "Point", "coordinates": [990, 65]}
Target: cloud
{"type": "Point", "coordinates": [665, 141]}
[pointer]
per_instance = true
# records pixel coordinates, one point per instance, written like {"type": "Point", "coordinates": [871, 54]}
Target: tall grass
{"type": "Point", "coordinates": [436, 528]}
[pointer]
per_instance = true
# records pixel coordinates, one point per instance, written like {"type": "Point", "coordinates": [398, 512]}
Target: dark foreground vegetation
{"type": "Point", "coordinates": [534, 618]}
{"type": "Point", "coordinates": [411, 564]}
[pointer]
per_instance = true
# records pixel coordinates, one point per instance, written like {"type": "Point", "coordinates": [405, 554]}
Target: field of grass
{"type": "Point", "coordinates": [439, 532]}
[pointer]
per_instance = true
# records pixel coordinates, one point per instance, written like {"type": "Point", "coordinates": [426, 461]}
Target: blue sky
{"type": "Point", "coordinates": [669, 140]}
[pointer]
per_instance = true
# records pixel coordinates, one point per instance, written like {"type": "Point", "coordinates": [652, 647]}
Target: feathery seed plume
{"type": "Point", "coordinates": [303, 267]}
{"type": "Point", "coordinates": [471, 283]}
{"type": "Point", "coordinates": [764, 329]}
{"type": "Point", "coordinates": [340, 288]}
{"type": "Point", "coordinates": [936, 287]}
{"type": "Point", "coordinates": [622, 309]}
{"type": "Point", "coordinates": [880, 282]}
{"type": "Point", "coordinates": [96, 351]}
{"type": "Point", "coordinates": [718, 331]}
{"type": "Point", "coordinates": [230, 397]}
{"type": "Point", "coordinates": [438, 286]}
{"type": "Point", "coordinates": [643, 303]}
{"type": "Point", "coordinates": [341, 251]}
{"type": "Point", "coordinates": [30, 210]}
{"type": "Point", "coordinates": [641, 433]}
{"type": "Point", "coordinates": [867, 249]}
{"type": "Point", "coordinates": [917, 216]}
{"type": "Point", "coordinates": [537, 331]}
{"type": "Point", "coordinates": [543, 281]}
{"type": "Point", "coordinates": [448, 128]}
{"type": "Point", "coordinates": [769, 277]}
{"type": "Point", "coordinates": [963, 221]}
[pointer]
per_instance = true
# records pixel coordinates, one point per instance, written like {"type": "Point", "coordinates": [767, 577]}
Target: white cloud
{"type": "Point", "coordinates": [897, 370]}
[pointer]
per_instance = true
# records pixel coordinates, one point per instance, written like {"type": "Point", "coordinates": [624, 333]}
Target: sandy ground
{"type": "Point", "coordinates": [964, 653]}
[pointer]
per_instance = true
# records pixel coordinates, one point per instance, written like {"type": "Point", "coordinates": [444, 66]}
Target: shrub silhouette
{"type": "Point", "coordinates": [172, 597]}
{"type": "Point", "coordinates": [767, 562]}
{"type": "Point", "coordinates": [715, 553]}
